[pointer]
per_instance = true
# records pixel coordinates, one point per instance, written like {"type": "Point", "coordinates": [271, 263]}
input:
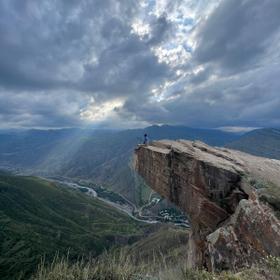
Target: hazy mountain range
{"type": "Point", "coordinates": [36, 216]}
{"type": "Point", "coordinates": [260, 142]}
{"type": "Point", "coordinates": [100, 155]}
{"type": "Point", "coordinates": [105, 156]}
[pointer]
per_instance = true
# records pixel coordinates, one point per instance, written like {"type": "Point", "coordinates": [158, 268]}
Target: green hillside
{"type": "Point", "coordinates": [168, 244]}
{"type": "Point", "coordinates": [38, 218]}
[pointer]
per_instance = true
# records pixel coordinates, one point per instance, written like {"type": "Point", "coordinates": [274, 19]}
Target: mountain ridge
{"type": "Point", "coordinates": [102, 156]}
{"type": "Point", "coordinates": [260, 142]}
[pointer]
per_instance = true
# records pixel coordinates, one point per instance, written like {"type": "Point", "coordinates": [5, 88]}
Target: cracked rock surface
{"type": "Point", "coordinates": [231, 226]}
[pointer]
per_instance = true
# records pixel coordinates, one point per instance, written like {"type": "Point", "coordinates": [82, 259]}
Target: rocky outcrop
{"type": "Point", "coordinates": [216, 188]}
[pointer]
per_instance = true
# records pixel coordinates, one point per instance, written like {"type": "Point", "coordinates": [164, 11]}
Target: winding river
{"type": "Point", "coordinates": [128, 207]}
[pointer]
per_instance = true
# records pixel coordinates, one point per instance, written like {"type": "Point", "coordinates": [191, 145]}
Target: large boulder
{"type": "Point", "coordinates": [220, 191]}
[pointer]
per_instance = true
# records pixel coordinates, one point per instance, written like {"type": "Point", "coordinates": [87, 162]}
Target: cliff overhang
{"type": "Point", "coordinates": [230, 226]}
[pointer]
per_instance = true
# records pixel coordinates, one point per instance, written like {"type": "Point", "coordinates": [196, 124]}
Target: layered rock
{"type": "Point", "coordinates": [230, 226]}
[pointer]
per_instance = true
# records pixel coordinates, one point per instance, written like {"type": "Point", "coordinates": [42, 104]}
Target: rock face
{"type": "Point", "coordinates": [230, 226]}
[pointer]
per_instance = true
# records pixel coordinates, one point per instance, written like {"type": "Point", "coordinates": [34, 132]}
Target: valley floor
{"type": "Point", "coordinates": [140, 214]}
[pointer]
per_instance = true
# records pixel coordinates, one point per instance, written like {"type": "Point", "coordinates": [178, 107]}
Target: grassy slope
{"type": "Point", "coordinates": [169, 243]}
{"type": "Point", "coordinates": [37, 217]}
{"type": "Point", "coordinates": [268, 192]}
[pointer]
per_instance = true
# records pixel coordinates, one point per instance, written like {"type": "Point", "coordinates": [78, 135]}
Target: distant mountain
{"type": "Point", "coordinates": [99, 155]}
{"type": "Point", "coordinates": [260, 142]}
{"type": "Point", "coordinates": [39, 219]}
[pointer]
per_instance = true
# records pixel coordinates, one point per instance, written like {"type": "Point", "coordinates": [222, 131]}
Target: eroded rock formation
{"type": "Point", "coordinates": [230, 226]}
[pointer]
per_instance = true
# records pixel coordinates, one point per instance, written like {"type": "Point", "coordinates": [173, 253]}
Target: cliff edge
{"type": "Point", "coordinates": [232, 199]}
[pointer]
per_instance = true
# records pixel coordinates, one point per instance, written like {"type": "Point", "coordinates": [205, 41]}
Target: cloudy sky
{"type": "Point", "coordinates": [132, 63]}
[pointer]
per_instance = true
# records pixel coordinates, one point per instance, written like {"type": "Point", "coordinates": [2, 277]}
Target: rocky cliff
{"type": "Point", "coordinates": [232, 199]}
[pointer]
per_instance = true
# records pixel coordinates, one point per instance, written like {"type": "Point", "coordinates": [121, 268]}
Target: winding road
{"type": "Point", "coordinates": [128, 208]}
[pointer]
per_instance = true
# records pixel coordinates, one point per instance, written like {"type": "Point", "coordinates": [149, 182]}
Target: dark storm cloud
{"type": "Point", "coordinates": [201, 76]}
{"type": "Point", "coordinates": [161, 30]}
{"type": "Point", "coordinates": [238, 81]}
{"type": "Point", "coordinates": [33, 45]}
{"type": "Point", "coordinates": [61, 58]}
{"type": "Point", "coordinates": [126, 66]}
{"type": "Point", "coordinates": [238, 33]}
{"type": "Point", "coordinates": [73, 46]}
{"type": "Point", "coordinates": [43, 109]}
{"type": "Point", "coordinates": [250, 101]}
{"type": "Point", "coordinates": [42, 43]}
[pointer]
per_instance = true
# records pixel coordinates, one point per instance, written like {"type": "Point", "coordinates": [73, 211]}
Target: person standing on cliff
{"type": "Point", "coordinates": [145, 139]}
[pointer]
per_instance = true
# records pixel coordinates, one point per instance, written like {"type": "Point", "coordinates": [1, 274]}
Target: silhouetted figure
{"type": "Point", "coordinates": [145, 139]}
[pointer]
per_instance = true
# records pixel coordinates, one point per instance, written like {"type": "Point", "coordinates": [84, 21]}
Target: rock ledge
{"type": "Point", "coordinates": [230, 226]}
